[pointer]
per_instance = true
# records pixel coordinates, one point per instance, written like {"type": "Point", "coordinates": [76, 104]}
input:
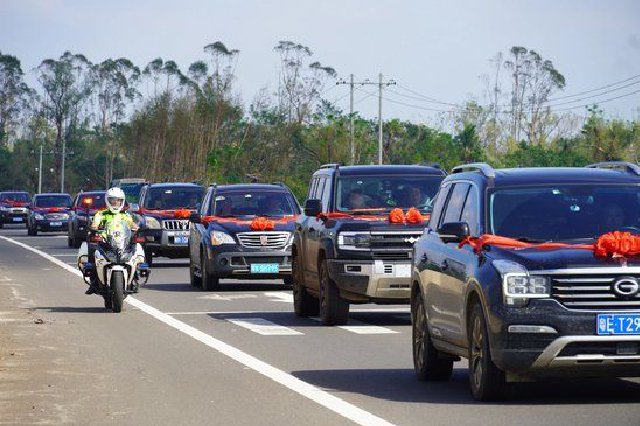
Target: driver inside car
{"type": "Point", "coordinates": [114, 200]}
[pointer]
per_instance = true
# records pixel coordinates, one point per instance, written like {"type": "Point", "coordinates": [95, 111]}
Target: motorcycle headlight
{"type": "Point", "coordinates": [38, 216]}
{"type": "Point", "coordinates": [518, 286]}
{"type": "Point", "coordinates": [219, 237]}
{"type": "Point", "coordinates": [152, 222]}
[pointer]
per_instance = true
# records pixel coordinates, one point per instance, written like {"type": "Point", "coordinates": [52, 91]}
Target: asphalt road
{"type": "Point", "coordinates": [239, 356]}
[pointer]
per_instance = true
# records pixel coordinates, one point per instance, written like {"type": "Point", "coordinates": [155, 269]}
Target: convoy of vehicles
{"type": "Point", "coordinates": [242, 231]}
{"type": "Point", "coordinates": [353, 243]}
{"type": "Point", "coordinates": [528, 273]}
{"type": "Point", "coordinates": [514, 272]}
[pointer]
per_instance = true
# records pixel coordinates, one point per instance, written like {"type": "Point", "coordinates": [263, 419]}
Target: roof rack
{"type": "Point", "coordinates": [622, 166]}
{"type": "Point", "coordinates": [279, 183]}
{"type": "Point", "coordinates": [330, 166]}
{"type": "Point", "coordinates": [483, 168]}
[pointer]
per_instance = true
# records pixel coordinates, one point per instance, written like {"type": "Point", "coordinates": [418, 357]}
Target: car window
{"type": "Point", "coordinates": [312, 188]}
{"type": "Point", "coordinates": [53, 201]}
{"type": "Point", "coordinates": [317, 195]}
{"type": "Point", "coordinates": [441, 197]}
{"type": "Point", "coordinates": [93, 201]}
{"type": "Point", "coordinates": [179, 197]}
{"type": "Point", "coordinates": [470, 211]}
{"type": "Point", "coordinates": [326, 195]}
{"type": "Point", "coordinates": [456, 202]}
{"type": "Point", "coordinates": [255, 203]}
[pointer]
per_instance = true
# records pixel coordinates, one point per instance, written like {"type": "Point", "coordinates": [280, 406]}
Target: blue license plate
{"type": "Point", "coordinates": [265, 268]}
{"type": "Point", "coordinates": [618, 324]}
{"type": "Point", "coordinates": [55, 223]}
{"type": "Point", "coordinates": [181, 240]}
{"type": "Point", "coordinates": [17, 219]}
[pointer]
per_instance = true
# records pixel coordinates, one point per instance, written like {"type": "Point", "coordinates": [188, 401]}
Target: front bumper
{"type": "Point", "coordinates": [46, 225]}
{"type": "Point", "coordinates": [567, 343]}
{"type": "Point", "coordinates": [163, 242]}
{"type": "Point", "coordinates": [381, 281]}
{"type": "Point", "coordinates": [237, 264]}
{"type": "Point", "coordinates": [17, 215]}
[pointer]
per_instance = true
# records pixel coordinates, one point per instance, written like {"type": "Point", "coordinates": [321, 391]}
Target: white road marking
{"type": "Point", "coordinates": [279, 296]}
{"type": "Point", "coordinates": [307, 390]}
{"type": "Point", "coordinates": [359, 327]}
{"type": "Point", "coordinates": [228, 297]}
{"type": "Point", "coordinates": [264, 327]}
{"type": "Point", "coordinates": [228, 313]}
{"type": "Point", "coordinates": [65, 254]}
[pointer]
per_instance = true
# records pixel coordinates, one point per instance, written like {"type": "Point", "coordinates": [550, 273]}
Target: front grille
{"type": "Point", "coordinates": [261, 240]}
{"type": "Point", "coordinates": [392, 255]}
{"type": "Point", "coordinates": [56, 216]}
{"type": "Point", "coordinates": [394, 240]}
{"type": "Point", "coordinates": [600, 348]}
{"type": "Point", "coordinates": [176, 225]}
{"type": "Point", "coordinates": [591, 292]}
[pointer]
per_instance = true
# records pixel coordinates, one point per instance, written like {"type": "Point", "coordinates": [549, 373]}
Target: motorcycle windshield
{"type": "Point", "coordinates": [118, 234]}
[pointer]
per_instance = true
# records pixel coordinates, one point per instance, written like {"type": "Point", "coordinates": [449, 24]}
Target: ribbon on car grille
{"type": "Point", "coordinates": [611, 245]}
{"type": "Point", "coordinates": [256, 224]}
{"type": "Point", "coordinates": [397, 216]}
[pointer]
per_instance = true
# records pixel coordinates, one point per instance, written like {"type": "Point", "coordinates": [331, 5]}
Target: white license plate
{"type": "Point", "coordinates": [181, 240]}
{"type": "Point", "coordinates": [17, 219]}
{"type": "Point", "coordinates": [55, 223]}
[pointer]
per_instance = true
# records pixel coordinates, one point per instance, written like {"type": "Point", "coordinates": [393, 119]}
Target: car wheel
{"type": "Point", "coordinates": [288, 280]}
{"type": "Point", "coordinates": [487, 381]}
{"type": "Point", "coordinates": [1, 225]}
{"type": "Point", "coordinates": [194, 280]}
{"type": "Point", "coordinates": [209, 282]}
{"type": "Point", "coordinates": [77, 242]}
{"type": "Point", "coordinates": [428, 362]}
{"type": "Point", "coordinates": [334, 310]}
{"type": "Point", "coordinates": [304, 305]}
{"type": "Point", "coordinates": [29, 231]}
{"type": "Point", "coordinates": [148, 257]}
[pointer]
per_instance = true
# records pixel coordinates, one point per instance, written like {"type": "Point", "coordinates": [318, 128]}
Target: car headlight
{"type": "Point", "coordinates": [38, 216]}
{"type": "Point", "coordinates": [82, 218]}
{"type": "Point", "coordinates": [219, 237]}
{"type": "Point", "coordinates": [518, 286]}
{"type": "Point", "coordinates": [152, 222]}
{"type": "Point", "coordinates": [5, 209]}
{"type": "Point", "coordinates": [354, 240]}
{"type": "Point", "coordinates": [65, 216]}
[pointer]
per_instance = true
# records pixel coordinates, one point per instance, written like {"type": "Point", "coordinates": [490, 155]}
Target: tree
{"type": "Point", "coordinates": [66, 85]}
{"type": "Point", "coordinates": [14, 93]}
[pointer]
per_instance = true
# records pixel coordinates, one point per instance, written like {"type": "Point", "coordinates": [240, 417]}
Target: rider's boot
{"type": "Point", "coordinates": [93, 286]}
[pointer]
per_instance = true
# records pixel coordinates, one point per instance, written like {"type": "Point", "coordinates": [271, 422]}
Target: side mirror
{"type": "Point", "coordinates": [453, 232]}
{"type": "Point", "coordinates": [195, 218]}
{"type": "Point", "coordinates": [312, 208]}
{"type": "Point", "coordinates": [135, 208]}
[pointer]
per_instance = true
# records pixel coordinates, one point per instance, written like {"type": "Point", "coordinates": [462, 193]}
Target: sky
{"type": "Point", "coordinates": [435, 49]}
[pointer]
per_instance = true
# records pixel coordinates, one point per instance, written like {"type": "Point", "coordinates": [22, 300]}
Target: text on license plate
{"type": "Point", "coordinates": [17, 219]}
{"type": "Point", "coordinates": [181, 240]}
{"type": "Point", "coordinates": [55, 223]}
{"type": "Point", "coordinates": [618, 324]}
{"type": "Point", "coordinates": [265, 268]}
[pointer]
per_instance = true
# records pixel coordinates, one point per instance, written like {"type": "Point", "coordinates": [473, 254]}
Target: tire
{"type": "Point", "coordinates": [29, 231]}
{"type": "Point", "coordinates": [1, 225]}
{"type": "Point", "coordinates": [304, 305]}
{"type": "Point", "coordinates": [194, 280]}
{"type": "Point", "coordinates": [334, 310]}
{"type": "Point", "coordinates": [69, 242]}
{"type": "Point", "coordinates": [288, 280]}
{"type": "Point", "coordinates": [76, 242]}
{"type": "Point", "coordinates": [117, 291]}
{"type": "Point", "coordinates": [486, 380]}
{"type": "Point", "coordinates": [429, 363]}
{"type": "Point", "coordinates": [208, 282]}
{"type": "Point", "coordinates": [107, 301]}
{"type": "Point", "coordinates": [148, 257]}
{"type": "Point", "coordinates": [34, 231]}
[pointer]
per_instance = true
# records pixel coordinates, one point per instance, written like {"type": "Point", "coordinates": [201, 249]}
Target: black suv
{"type": "Point", "coordinates": [353, 243]}
{"type": "Point", "coordinates": [48, 213]}
{"type": "Point", "coordinates": [164, 211]}
{"type": "Point", "coordinates": [507, 275]}
{"type": "Point", "coordinates": [242, 231]}
{"type": "Point", "coordinates": [13, 207]}
{"type": "Point", "coordinates": [85, 206]}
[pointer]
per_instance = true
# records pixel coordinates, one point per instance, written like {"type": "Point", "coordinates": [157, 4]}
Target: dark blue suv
{"type": "Point", "coordinates": [508, 275]}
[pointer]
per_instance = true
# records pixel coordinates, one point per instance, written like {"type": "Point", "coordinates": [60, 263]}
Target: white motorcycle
{"type": "Point", "coordinates": [119, 264]}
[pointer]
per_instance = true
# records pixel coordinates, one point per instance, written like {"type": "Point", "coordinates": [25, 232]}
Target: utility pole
{"type": "Point", "coordinates": [64, 154]}
{"type": "Point", "coordinates": [352, 84]}
{"type": "Point", "coordinates": [40, 172]}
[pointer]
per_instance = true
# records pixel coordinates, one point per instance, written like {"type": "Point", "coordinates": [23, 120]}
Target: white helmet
{"type": "Point", "coordinates": [115, 199]}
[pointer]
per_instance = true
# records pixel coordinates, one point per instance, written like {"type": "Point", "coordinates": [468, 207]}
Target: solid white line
{"type": "Point", "coordinates": [264, 327]}
{"type": "Point", "coordinates": [228, 313]}
{"type": "Point", "coordinates": [65, 254]}
{"type": "Point", "coordinates": [307, 390]}
{"type": "Point", "coordinates": [367, 329]}
{"type": "Point", "coordinates": [280, 296]}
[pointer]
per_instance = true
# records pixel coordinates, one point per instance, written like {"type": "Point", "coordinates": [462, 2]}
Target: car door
{"type": "Point", "coordinates": [312, 233]}
{"type": "Point", "coordinates": [197, 230]}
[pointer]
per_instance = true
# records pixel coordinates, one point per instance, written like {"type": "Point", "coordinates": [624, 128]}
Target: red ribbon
{"type": "Point", "coordinates": [396, 215]}
{"type": "Point", "coordinates": [16, 204]}
{"type": "Point", "coordinates": [254, 224]}
{"type": "Point", "coordinates": [611, 245]}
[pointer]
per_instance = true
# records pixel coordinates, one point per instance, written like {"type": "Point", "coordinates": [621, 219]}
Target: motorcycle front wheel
{"type": "Point", "coordinates": [117, 291]}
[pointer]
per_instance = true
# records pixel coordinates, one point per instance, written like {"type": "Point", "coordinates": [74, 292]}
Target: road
{"type": "Point", "coordinates": [178, 355]}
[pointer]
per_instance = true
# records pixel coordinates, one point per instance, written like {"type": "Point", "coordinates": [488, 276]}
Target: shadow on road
{"type": "Point", "coordinates": [401, 385]}
{"type": "Point", "coordinates": [169, 265]}
{"type": "Point", "coordinates": [74, 309]}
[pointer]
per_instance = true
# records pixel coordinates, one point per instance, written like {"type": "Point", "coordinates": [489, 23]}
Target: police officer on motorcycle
{"type": "Point", "coordinates": [115, 202]}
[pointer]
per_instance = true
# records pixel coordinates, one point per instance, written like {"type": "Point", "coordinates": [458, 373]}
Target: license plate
{"type": "Point", "coordinates": [55, 223]}
{"type": "Point", "coordinates": [265, 268]}
{"type": "Point", "coordinates": [618, 324]}
{"type": "Point", "coordinates": [181, 240]}
{"type": "Point", "coordinates": [17, 219]}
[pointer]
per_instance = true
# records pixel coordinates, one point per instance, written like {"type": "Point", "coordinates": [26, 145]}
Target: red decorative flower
{"type": "Point", "coordinates": [617, 244]}
{"type": "Point", "coordinates": [262, 224]}
{"type": "Point", "coordinates": [182, 214]}
{"type": "Point", "coordinates": [414, 216]}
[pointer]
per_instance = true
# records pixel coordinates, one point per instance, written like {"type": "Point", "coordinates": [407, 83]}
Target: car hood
{"type": "Point", "coordinates": [44, 210]}
{"type": "Point", "coordinates": [381, 223]}
{"type": "Point", "coordinates": [536, 259]}
{"type": "Point", "coordinates": [232, 226]}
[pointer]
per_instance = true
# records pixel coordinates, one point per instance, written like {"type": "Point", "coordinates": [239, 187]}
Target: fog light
{"type": "Point", "coordinates": [531, 329]}
{"type": "Point", "coordinates": [224, 261]}
{"type": "Point", "coordinates": [354, 268]}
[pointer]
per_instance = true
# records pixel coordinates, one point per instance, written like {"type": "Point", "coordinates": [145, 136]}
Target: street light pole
{"type": "Point", "coordinates": [63, 156]}
{"type": "Point", "coordinates": [40, 172]}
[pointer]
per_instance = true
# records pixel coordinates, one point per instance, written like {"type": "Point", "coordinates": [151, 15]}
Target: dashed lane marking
{"type": "Point", "coordinates": [264, 327]}
{"type": "Point", "coordinates": [279, 296]}
{"type": "Point", "coordinates": [359, 327]}
{"type": "Point", "coordinates": [307, 390]}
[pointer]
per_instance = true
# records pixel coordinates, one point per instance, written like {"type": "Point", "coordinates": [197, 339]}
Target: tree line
{"type": "Point", "coordinates": [157, 121]}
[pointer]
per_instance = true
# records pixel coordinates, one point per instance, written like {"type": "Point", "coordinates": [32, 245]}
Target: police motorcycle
{"type": "Point", "coordinates": [119, 263]}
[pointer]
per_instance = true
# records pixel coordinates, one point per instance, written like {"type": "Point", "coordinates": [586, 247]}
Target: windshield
{"type": "Point", "coordinates": [383, 193]}
{"type": "Point", "coordinates": [92, 201]}
{"type": "Point", "coordinates": [53, 201]}
{"type": "Point", "coordinates": [15, 196]}
{"type": "Point", "coordinates": [255, 203]}
{"type": "Point", "coordinates": [173, 198]}
{"type": "Point", "coordinates": [131, 191]}
{"type": "Point", "coordinates": [564, 212]}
